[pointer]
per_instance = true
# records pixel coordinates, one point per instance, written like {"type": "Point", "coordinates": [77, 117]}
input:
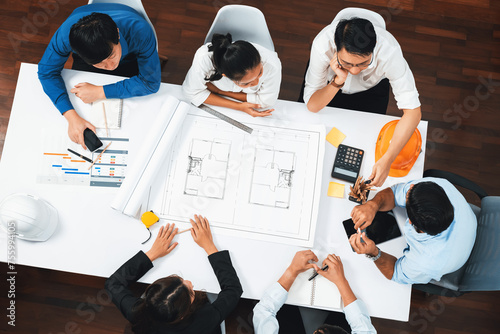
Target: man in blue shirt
{"type": "Point", "coordinates": [264, 313]}
{"type": "Point", "coordinates": [109, 38]}
{"type": "Point", "coordinates": [440, 230]}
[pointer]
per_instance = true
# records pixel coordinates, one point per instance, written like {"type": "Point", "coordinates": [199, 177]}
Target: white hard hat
{"type": "Point", "coordinates": [28, 217]}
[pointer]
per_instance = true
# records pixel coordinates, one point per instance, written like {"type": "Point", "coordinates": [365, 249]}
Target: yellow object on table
{"type": "Point", "coordinates": [336, 189]}
{"type": "Point", "coordinates": [335, 137]}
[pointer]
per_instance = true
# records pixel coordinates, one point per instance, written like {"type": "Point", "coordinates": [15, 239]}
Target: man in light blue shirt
{"type": "Point", "coordinates": [264, 313]}
{"type": "Point", "coordinates": [440, 230]}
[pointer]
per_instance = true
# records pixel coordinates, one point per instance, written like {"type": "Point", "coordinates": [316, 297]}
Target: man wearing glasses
{"type": "Point", "coordinates": [353, 61]}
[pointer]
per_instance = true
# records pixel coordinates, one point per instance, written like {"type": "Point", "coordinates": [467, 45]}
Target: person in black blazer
{"type": "Point", "coordinates": [170, 305]}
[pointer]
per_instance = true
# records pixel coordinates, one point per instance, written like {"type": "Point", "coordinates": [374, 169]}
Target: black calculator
{"type": "Point", "coordinates": [347, 163]}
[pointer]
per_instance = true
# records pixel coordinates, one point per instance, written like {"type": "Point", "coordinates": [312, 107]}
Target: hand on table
{"type": "Point", "coordinates": [367, 246]}
{"type": "Point", "coordinates": [249, 108]}
{"type": "Point", "coordinates": [163, 243]}
{"type": "Point", "coordinates": [340, 72]}
{"type": "Point", "coordinates": [335, 271]}
{"type": "Point", "coordinates": [88, 93]}
{"type": "Point", "coordinates": [380, 172]}
{"type": "Point", "coordinates": [202, 235]}
{"type": "Point", "coordinates": [76, 126]}
{"type": "Point", "coordinates": [300, 262]}
{"type": "Point", "coordinates": [362, 215]}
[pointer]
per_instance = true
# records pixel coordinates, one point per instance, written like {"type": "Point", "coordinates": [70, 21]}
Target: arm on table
{"type": "Point", "coordinates": [354, 309]}
{"type": "Point", "coordinates": [117, 284]}
{"type": "Point", "coordinates": [264, 318]}
{"type": "Point", "coordinates": [321, 97]}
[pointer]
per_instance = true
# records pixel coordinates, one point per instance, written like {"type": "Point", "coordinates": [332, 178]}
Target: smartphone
{"type": "Point", "coordinates": [383, 228]}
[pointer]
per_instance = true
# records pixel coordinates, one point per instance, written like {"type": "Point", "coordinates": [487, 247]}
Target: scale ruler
{"type": "Point", "coordinates": [225, 118]}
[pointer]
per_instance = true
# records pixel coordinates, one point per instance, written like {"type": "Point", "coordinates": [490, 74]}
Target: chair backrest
{"type": "Point", "coordinates": [483, 267]}
{"type": "Point", "coordinates": [375, 18]}
{"type": "Point", "coordinates": [243, 23]}
{"type": "Point", "coordinates": [135, 4]}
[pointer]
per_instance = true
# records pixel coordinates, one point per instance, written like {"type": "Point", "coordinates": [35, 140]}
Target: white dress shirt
{"type": "Point", "coordinates": [265, 93]}
{"type": "Point", "coordinates": [264, 313]}
{"type": "Point", "coordinates": [388, 62]}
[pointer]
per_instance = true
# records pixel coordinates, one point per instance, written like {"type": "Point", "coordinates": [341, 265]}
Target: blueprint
{"type": "Point", "coordinates": [263, 186]}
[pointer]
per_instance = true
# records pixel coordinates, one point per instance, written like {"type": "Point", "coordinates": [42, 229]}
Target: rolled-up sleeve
{"type": "Point", "coordinates": [264, 313]}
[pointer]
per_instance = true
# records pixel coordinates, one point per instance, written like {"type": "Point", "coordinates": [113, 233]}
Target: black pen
{"type": "Point", "coordinates": [81, 156]}
{"type": "Point", "coordinates": [316, 273]}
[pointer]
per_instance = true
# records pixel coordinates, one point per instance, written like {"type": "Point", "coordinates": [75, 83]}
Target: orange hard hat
{"type": "Point", "coordinates": [408, 155]}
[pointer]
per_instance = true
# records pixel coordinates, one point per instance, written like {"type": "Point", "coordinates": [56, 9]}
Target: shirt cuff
{"type": "Point", "coordinates": [277, 293]}
{"type": "Point", "coordinates": [110, 91]}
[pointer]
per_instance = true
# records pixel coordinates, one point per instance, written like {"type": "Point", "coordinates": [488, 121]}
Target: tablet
{"type": "Point", "coordinates": [383, 228]}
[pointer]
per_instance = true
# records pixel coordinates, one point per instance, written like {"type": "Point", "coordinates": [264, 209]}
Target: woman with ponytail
{"type": "Point", "coordinates": [170, 304]}
{"type": "Point", "coordinates": [243, 71]}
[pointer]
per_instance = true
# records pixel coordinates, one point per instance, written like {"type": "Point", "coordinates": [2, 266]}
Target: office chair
{"type": "Point", "coordinates": [139, 8]}
{"type": "Point", "coordinates": [243, 23]}
{"type": "Point", "coordinates": [481, 272]}
{"type": "Point", "coordinates": [375, 18]}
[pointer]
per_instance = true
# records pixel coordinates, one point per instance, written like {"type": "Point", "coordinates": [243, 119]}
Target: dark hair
{"type": "Point", "coordinates": [232, 59]}
{"type": "Point", "coordinates": [93, 37]}
{"type": "Point", "coordinates": [356, 36]}
{"type": "Point", "coordinates": [329, 329]}
{"type": "Point", "coordinates": [166, 302]}
{"type": "Point", "coordinates": [428, 208]}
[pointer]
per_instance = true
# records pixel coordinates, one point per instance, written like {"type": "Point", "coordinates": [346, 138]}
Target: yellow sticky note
{"type": "Point", "coordinates": [336, 189]}
{"type": "Point", "coordinates": [335, 137]}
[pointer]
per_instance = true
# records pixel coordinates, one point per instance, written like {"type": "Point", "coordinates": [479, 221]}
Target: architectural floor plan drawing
{"type": "Point", "coordinates": [263, 186]}
{"type": "Point", "coordinates": [272, 177]}
{"type": "Point", "coordinates": [207, 164]}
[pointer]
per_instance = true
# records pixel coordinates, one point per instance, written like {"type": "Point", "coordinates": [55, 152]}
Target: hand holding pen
{"type": "Point", "coordinates": [332, 269]}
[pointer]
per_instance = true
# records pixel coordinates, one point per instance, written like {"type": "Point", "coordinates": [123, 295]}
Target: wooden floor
{"type": "Point", "coordinates": [453, 49]}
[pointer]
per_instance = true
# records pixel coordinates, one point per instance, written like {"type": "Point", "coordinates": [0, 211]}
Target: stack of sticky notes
{"type": "Point", "coordinates": [335, 137]}
{"type": "Point", "coordinates": [336, 189]}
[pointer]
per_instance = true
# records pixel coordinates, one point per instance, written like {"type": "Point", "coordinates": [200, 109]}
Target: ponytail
{"type": "Point", "coordinates": [232, 59]}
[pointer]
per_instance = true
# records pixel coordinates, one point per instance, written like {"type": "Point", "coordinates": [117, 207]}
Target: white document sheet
{"type": "Point", "coordinates": [317, 292]}
{"type": "Point", "coordinates": [264, 186]}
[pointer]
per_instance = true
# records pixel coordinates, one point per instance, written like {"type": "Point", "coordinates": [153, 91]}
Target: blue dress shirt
{"type": "Point", "coordinates": [264, 313]}
{"type": "Point", "coordinates": [430, 257]}
{"type": "Point", "coordinates": [136, 37]}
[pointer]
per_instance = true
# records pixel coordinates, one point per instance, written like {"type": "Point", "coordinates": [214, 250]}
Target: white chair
{"type": "Point", "coordinates": [139, 8]}
{"type": "Point", "coordinates": [375, 18]}
{"type": "Point", "coordinates": [243, 23]}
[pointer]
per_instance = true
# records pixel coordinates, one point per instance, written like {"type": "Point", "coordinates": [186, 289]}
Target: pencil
{"type": "Point", "coordinates": [185, 230]}
{"type": "Point", "coordinates": [105, 119]}
{"type": "Point", "coordinates": [100, 155]}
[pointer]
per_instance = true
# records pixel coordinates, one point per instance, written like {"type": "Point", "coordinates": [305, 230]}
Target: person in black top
{"type": "Point", "coordinates": [170, 305]}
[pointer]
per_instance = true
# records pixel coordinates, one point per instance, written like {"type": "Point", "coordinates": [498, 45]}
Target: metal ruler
{"type": "Point", "coordinates": [226, 118]}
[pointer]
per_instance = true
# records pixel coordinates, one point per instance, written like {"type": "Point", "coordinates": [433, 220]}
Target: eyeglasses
{"type": "Point", "coordinates": [348, 66]}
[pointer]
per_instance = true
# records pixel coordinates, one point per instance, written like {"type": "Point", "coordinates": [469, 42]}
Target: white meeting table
{"type": "Point", "coordinates": [94, 239]}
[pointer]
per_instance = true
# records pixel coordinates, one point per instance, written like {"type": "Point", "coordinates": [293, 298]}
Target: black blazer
{"type": "Point", "coordinates": [206, 320]}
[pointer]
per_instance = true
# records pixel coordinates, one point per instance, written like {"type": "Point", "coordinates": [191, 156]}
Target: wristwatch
{"type": "Point", "coordinates": [335, 85]}
{"type": "Point", "coordinates": [376, 257]}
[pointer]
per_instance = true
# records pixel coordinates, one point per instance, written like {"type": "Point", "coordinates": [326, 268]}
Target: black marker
{"type": "Point", "coordinates": [316, 273]}
{"type": "Point", "coordinates": [81, 156]}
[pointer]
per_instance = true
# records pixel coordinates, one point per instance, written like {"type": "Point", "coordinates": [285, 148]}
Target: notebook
{"type": "Point", "coordinates": [318, 292]}
{"type": "Point", "coordinates": [113, 109]}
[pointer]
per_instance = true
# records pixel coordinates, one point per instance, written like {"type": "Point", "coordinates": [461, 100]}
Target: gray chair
{"type": "Point", "coordinates": [481, 272]}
